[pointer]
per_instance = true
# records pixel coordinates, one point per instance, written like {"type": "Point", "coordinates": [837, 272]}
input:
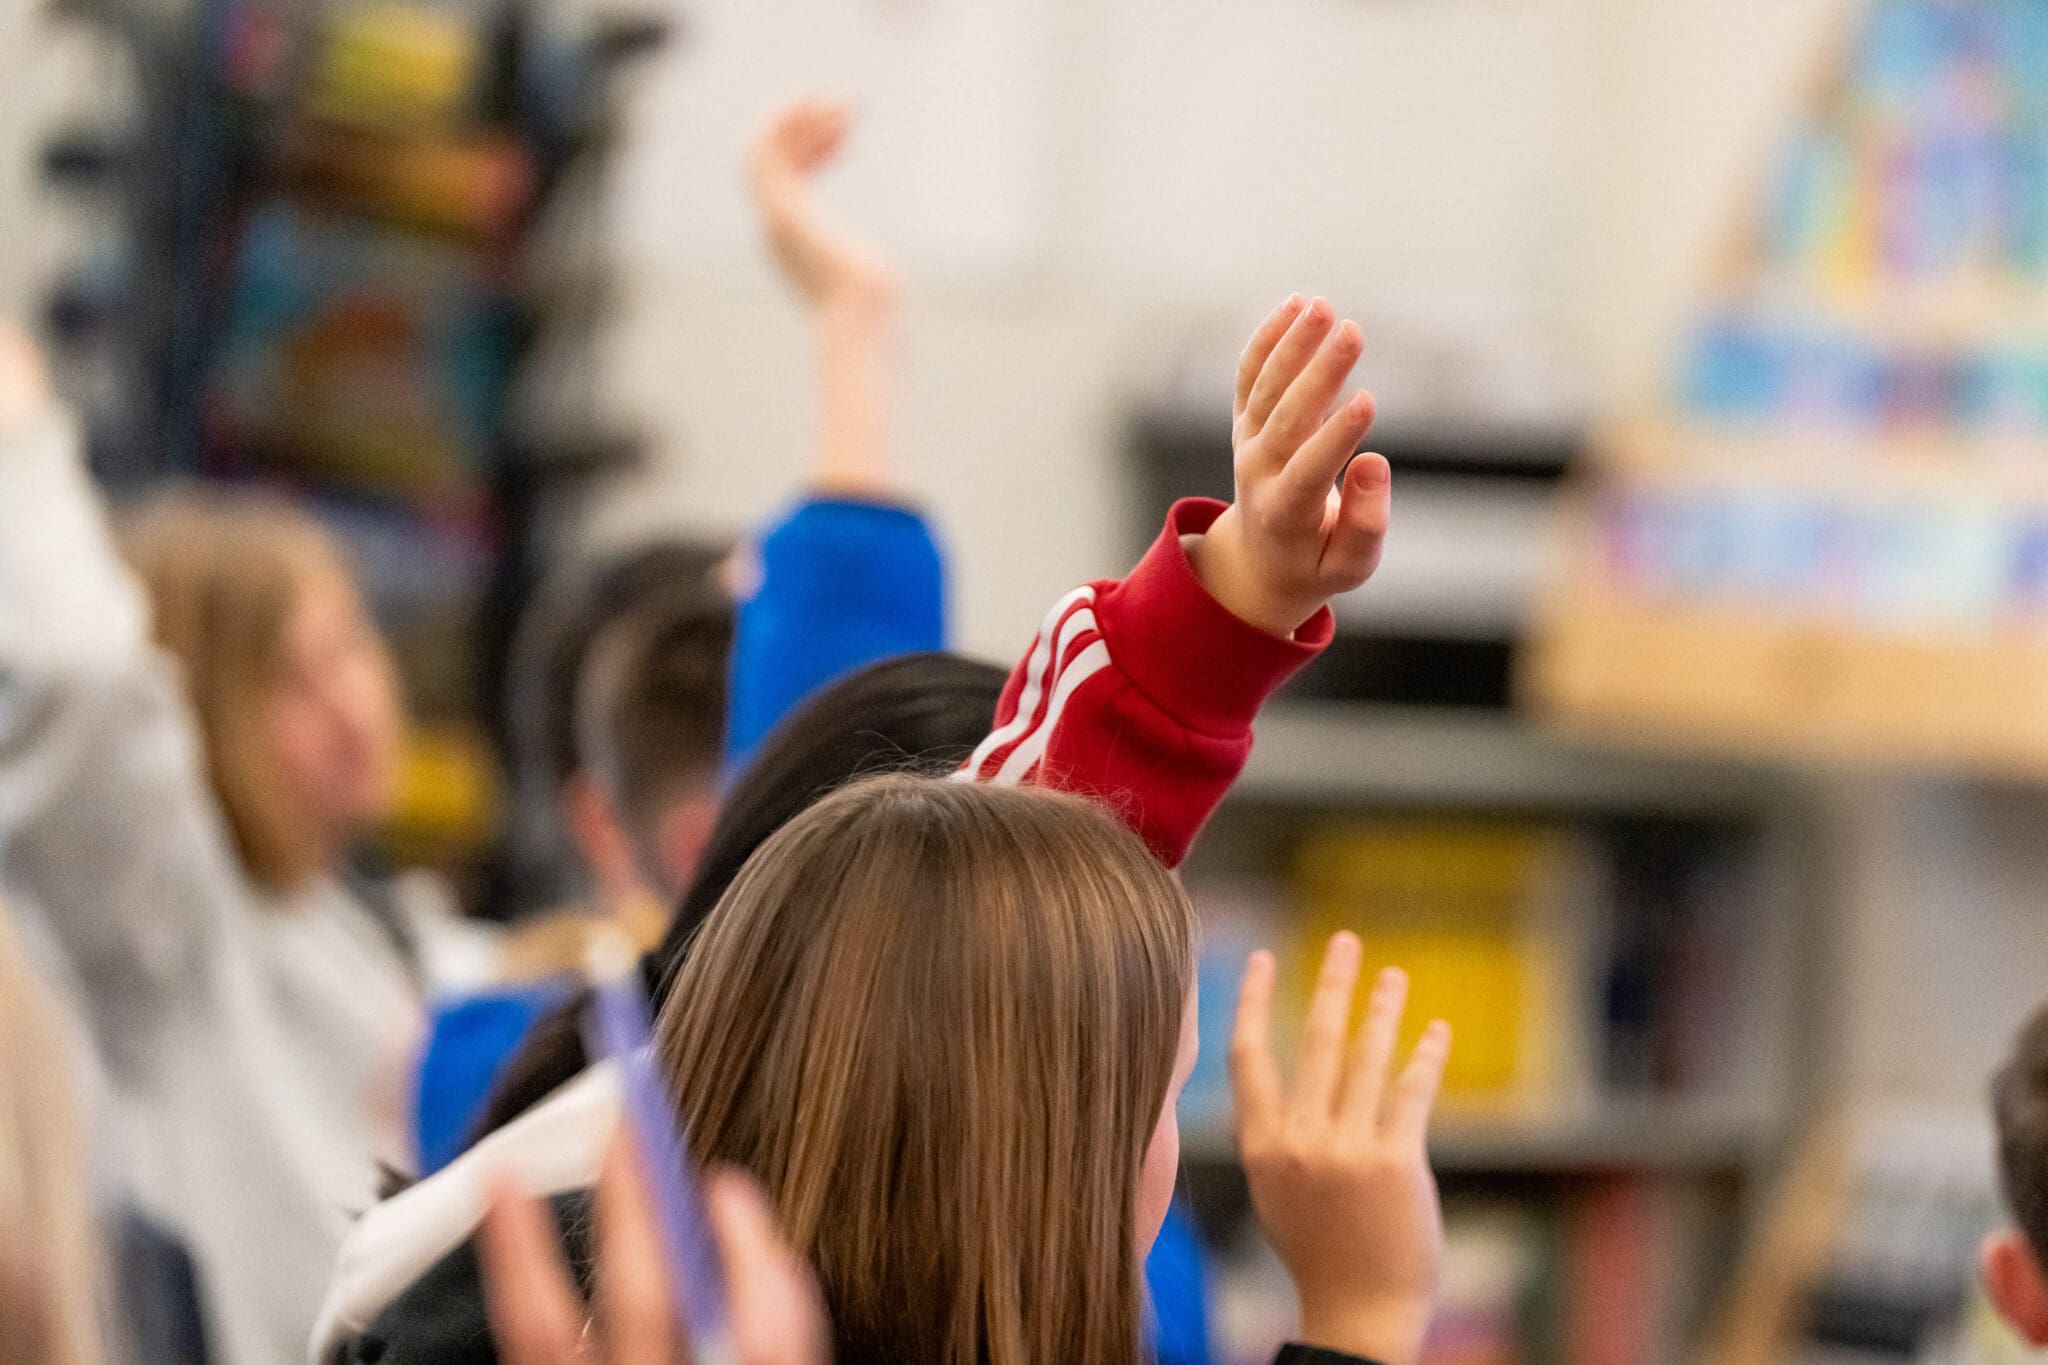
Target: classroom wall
{"type": "Point", "coordinates": [1089, 192]}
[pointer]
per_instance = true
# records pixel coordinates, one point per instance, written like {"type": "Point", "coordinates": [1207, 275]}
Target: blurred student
{"type": "Point", "coordinates": [192, 743]}
{"type": "Point", "coordinates": [556, 799]}
{"type": "Point", "coordinates": [648, 724]}
{"type": "Point", "coordinates": [2014, 1260]}
{"type": "Point", "coordinates": [850, 574]}
{"type": "Point", "coordinates": [1140, 692]}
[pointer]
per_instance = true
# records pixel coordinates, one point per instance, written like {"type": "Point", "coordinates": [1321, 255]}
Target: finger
{"type": "Point", "coordinates": [1254, 1076]}
{"type": "Point", "coordinates": [1291, 355]}
{"type": "Point", "coordinates": [1261, 346]}
{"type": "Point", "coordinates": [1317, 460]}
{"type": "Point", "coordinates": [1322, 1037]}
{"type": "Point", "coordinates": [1358, 532]}
{"type": "Point", "coordinates": [1415, 1093]}
{"type": "Point", "coordinates": [632, 1264]}
{"type": "Point", "coordinates": [1372, 1051]}
{"type": "Point", "coordinates": [743, 1221]}
{"type": "Point", "coordinates": [535, 1313]}
{"type": "Point", "coordinates": [776, 1311]}
{"type": "Point", "coordinates": [827, 134]}
{"type": "Point", "coordinates": [1306, 405]}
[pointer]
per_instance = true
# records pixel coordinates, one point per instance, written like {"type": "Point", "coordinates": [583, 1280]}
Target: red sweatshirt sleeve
{"type": "Point", "coordinates": [1142, 693]}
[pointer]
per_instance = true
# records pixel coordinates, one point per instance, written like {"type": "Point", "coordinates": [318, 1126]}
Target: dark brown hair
{"type": "Point", "coordinates": [650, 704]}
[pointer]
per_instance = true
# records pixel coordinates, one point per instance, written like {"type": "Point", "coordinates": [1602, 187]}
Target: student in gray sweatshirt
{"type": "Point", "coordinates": [189, 750]}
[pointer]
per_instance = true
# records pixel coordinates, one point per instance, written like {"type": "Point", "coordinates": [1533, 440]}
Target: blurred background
{"type": "Point", "coordinates": [1689, 748]}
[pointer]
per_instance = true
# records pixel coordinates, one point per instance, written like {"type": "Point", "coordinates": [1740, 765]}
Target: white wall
{"type": "Point", "coordinates": [1086, 192]}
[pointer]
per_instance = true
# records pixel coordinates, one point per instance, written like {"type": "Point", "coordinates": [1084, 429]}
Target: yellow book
{"type": "Point", "coordinates": [1470, 911]}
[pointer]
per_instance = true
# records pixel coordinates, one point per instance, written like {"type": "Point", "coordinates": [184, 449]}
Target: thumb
{"type": "Point", "coordinates": [1358, 535]}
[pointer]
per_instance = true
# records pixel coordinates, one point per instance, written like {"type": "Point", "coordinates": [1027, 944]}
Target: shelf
{"type": "Point", "coordinates": [1462, 760]}
{"type": "Point", "coordinates": [1677, 1137]}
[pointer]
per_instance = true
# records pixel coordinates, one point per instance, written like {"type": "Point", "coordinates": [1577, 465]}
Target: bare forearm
{"type": "Point", "coordinates": [855, 333]}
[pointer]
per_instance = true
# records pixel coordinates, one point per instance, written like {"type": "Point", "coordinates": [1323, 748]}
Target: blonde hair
{"type": "Point", "coordinates": [51, 1275]}
{"type": "Point", "coordinates": [223, 573]}
{"type": "Point", "coordinates": [939, 1022]}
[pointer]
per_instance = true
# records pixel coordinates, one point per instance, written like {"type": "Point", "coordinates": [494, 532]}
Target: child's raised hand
{"type": "Point", "coordinates": [537, 1317]}
{"type": "Point", "coordinates": [1338, 1163]}
{"type": "Point", "coordinates": [1309, 520]}
{"type": "Point", "coordinates": [827, 260]}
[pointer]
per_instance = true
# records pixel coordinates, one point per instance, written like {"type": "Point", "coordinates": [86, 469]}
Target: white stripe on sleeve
{"type": "Point", "coordinates": [1043, 659]}
{"type": "Point", "coordinates": [1017, 767]}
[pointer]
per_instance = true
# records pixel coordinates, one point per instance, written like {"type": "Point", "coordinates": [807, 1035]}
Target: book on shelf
{"type": "Point", "coordinates": [1481, 915]}
{"type": "Point", "coordinates": [1588, 971]}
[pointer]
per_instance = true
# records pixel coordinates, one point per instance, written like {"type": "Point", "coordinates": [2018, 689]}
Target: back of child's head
{"type": "Point", "coordinates": [566, 619]}
{"type": "Point", "coordinates": [650, 710]}
{"type": "Point", "coordinates": [50, 1260]}
{"type": "Point", "coordinates": [2019, 1102]}
{"type": "Point", "coordinates": [550, 656]}
{"type": "Point", "coordinates": [939, 1021]}
{"type": "Point", "coordinates": [916, 713]}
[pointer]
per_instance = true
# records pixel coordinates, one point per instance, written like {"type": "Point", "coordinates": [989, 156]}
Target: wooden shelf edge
{"type": "Point", "coordinates": [1332, 752]}
{"type": "Point", "coordinates": [1681, 1137]}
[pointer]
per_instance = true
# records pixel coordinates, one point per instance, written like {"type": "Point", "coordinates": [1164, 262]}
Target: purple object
{"type": "Point", "coordinates": [616, 1026]}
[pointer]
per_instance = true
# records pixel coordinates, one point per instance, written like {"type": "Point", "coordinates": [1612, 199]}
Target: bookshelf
{"type": "Point", "coordinates": [355, 254]}
{"type": "Point", "coordinates": [1579, 1175]}
{"type": "Point", "coordinates": [1617, 1134]}
{"type": "Point", "coordinates": [1453, 758]}
{"type": "Point", "coordinates": [1829, 539]}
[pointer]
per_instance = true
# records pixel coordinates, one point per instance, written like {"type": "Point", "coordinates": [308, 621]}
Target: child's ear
{"type": "Point", "coordinates": [680, 839]}
{"type": "Point", "coordinates": [601, 839]}
{"type": "Point", "coordinates": [2018, 1288]}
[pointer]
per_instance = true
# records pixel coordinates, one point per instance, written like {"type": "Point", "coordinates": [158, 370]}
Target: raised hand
{"type": "Point", "coordinates": [538, 1318]}
{"type": "Point", "coordinates": [1309, 519]}
{"type": "Point", "coordinates": [828, 261]}
{"type": "Point", "coordinates": [1338, 1162]}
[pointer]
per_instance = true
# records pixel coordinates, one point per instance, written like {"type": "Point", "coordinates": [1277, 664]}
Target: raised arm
{"type": "Point", "coordinates": [103, 815]}
{"type": "Point", "coordinates": [1143, 692]}
{"type": "Point", "coordinates": [852, 573]}
{"type": "Point", "coordinates": [848, 286]}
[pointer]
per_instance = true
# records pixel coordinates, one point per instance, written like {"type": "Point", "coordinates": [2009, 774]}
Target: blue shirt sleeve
{"type": "Point", "coordinates": [469, 1040]}
{"type": "Point", "coordinates": [843, 584]}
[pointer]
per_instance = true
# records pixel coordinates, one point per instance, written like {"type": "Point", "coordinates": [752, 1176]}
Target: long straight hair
{"type": "Point", "coordinates": [51, 1269]}
{"type": "Point", "coordinates": [223, 573]}
{"type": "Point", "coordinates": [938, 1021]}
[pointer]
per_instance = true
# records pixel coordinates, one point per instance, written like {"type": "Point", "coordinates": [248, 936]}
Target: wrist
{"type": "Point", "coordinates": [856, 300]}
{"type": "Point", "coordinates": [1391, 1331]}
{"type": "Point", "coordinates": [1224, 564]}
